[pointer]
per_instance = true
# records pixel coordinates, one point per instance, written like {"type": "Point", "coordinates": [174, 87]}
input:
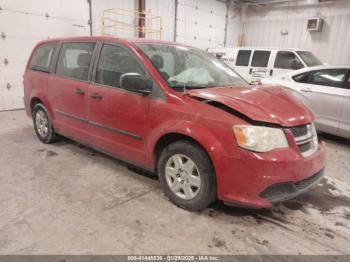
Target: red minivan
{"type": "Point", "coordinates": [178, 112]}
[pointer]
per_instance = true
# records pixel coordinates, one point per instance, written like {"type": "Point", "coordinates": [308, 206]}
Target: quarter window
{"type": "Point", "coordinates": [243, 57]}
{"type": "Point", "coordinates": [327, 77]}
{"type": "Point", "coordinates": [300, 78]}
{"type": "Point", "coordinates": [287, 60]}
{"type": "Point", "coordinates": [115, 61]}
{"type": "Point", "coordinates": [74, 60]}
{"type": "Point", "coordinates": [42, 56]}
{"type": "Point", "coordinates": [261, 58]}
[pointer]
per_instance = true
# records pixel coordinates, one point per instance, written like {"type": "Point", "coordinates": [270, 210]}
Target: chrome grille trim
{"type": "Point", "coordinates": [305, 138]}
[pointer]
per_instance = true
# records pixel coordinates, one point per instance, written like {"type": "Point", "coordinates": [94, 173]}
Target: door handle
{"type": "Point", "coordinates": [271, 72]}
{"type": "Point", "coordinates": [250, 71]}
{"type": "Point", "coordinates": [78, 91]}
{"type": "Point", "coordinates": [96, 96]}
{"type": "Point", "coordinates": [306, 90]}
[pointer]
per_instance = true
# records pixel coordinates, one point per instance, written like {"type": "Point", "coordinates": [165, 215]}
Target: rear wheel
{"type": "Point", "coordinates": [187, 176]}
{"type": "Point", "coordinates": [43, 125]}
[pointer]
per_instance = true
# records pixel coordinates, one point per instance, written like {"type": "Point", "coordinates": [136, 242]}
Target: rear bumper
{"type": "Point", "coordinates": [260, 180]}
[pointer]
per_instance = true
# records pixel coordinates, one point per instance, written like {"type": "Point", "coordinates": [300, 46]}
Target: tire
{"type": "Point", "coordinates": [43, 125]}
{"type": "Point", "coordinates": [179, 177]}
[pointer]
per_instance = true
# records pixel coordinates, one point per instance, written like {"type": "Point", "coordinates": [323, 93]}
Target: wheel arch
{"type": "Point", "coordinates": [170, 138]}
{"type": "Point", "coordinates": [35, 99]}
{"type": "Point", "coordinates": [33, 102]}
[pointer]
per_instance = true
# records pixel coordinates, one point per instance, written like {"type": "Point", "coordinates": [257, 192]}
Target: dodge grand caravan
{"type": "Point", "coordinates": [178, 112]}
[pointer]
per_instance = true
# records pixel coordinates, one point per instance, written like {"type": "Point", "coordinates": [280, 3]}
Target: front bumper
{"type": "Point", "coordinates": [259, 180]}
{"type": "Point", "coordinates": [281, 192]}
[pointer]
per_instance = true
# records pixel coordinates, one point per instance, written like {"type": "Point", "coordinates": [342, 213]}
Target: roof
{"type": "Point", "coordinates": [307, 69]}
{"type": "Point", "coordinates": [257, 48]}
{"type": "Point", "coordinates": [106, 38]}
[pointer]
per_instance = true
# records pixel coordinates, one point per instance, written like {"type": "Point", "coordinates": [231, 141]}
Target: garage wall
{"type": "Point", "coordinates": [262, 27]}
{"type": "Point", "coordinates": [98, 6]}
{"type": "Point", "coordinates": [234, 26]}
{"type": "Point", "coordinates": [23, 24]}
{"type": "Point", "coordinates": [201, 23]}
{"type": "Point", "coordinates": [165, 9]}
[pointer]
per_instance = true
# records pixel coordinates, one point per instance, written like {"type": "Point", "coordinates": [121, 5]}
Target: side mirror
{"type": "Point", "coordinates": [137, 83]}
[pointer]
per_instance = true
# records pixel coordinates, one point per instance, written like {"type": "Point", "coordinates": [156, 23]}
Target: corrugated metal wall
{"type": "Point", "coordinates": [262, 27]}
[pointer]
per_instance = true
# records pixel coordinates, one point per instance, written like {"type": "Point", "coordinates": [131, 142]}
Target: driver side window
{"type": "Point", "coordinates": [115, 61]}
{"type": "Point", "coordinates": [287, 60]}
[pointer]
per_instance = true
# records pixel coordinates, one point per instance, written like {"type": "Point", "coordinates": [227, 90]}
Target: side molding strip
{"type": "Point", "coordinates": [114, 130]}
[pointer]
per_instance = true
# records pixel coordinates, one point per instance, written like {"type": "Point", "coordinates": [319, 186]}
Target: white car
{"type": "Point", "coordinates": [326, 90]}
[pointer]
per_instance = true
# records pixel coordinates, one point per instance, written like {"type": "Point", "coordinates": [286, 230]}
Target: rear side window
{"type": "Point", "coordinates": [115, 61]}
{"type": "Point", "coordinates": [261, 58]}
{"type": "Point", "coordinates": [42, 56]}
{"type": "Point", "coordinates": [327, 77]}
{"type": "Point", "coordinates": [74, 60]}
{"type": "Point", "coordinates": [243, 57]}
{"type": "Point", "coordinates": [287, 60]}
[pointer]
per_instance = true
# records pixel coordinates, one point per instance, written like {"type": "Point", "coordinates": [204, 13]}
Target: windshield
{"type": "Point", "coordinates": [185, 67]}
{"type": "Point", "coordinates": [309, 58]}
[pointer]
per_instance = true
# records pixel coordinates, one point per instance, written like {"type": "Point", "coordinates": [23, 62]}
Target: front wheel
{"type": "Point", "coordinates": [43, 125]}
{"type": "Point", "coordinates": [186, 175]}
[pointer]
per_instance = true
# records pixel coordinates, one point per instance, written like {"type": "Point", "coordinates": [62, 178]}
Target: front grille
{"type": "Point", "coordinates": [305, 147]}
{"type": "Point", "coordinates": [299, 131]}
{"type": "Point", "coordinates": [306, 139]}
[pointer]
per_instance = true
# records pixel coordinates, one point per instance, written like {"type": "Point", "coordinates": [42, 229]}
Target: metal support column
{"type": "Point", "coordinates": [142, 18]}
{"type": "Point", "coordinates": [90, 16]}
{"type": "Point", "coordinates": [175, 20]}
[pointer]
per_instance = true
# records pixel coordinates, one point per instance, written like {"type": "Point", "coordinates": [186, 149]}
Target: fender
{"type": "Point", "coordinates": [198, 132]}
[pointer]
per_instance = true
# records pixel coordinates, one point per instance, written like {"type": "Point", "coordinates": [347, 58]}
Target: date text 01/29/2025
{"type": "Point", "coordinates": [172, 258]}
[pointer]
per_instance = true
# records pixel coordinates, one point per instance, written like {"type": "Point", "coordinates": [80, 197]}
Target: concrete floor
{"type": "Point", "coordinates": [67, 199]}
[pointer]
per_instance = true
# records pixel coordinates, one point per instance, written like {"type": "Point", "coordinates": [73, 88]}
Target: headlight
{"type": "Point", "coordinates": [259, 138]}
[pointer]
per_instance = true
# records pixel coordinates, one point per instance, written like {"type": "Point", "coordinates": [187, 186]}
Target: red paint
{"type": "Point", "coordinates": [241, 175]}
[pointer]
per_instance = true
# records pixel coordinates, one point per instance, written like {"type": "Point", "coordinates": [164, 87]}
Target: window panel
{"type": "Point", "coordinates": [327, 77]}
{"type": "Point", "coordinates": [42, 56]}
{"type": "Point", "coordinates": [287, 60]}
{"type": "Point", "coordinates": [243, 57]}
{"type": "Point", "coordinates": [300, 78]}
{"type": "Point", "coordinates": [115, 61]}
{"type": "Point", "coordinates": [74, 60]}
{"type": "Point", "coordinates": [261, 58]}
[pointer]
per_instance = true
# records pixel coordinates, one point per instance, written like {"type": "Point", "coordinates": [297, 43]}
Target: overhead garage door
{"type": "Point", "coordinates": [22, 25]}
{"type": "Point", "coordinates": [201, 23]}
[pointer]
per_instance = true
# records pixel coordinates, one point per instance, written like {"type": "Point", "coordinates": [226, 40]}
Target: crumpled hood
{"type": "Point", "coordinates": [260, 103]}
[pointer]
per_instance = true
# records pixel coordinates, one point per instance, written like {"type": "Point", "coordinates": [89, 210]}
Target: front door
{"type": "Point", "coordinates": [323, 91]}
{"type": "Point", "coordinates": [285, 62]}
{"type": "Point", "coordinates": [68, 89]}
{"type": "Point", "coordinates": [118, 118]}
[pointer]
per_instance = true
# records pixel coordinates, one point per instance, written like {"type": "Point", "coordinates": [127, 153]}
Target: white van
{"type": "Point", "coordinates": [254, 64]}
